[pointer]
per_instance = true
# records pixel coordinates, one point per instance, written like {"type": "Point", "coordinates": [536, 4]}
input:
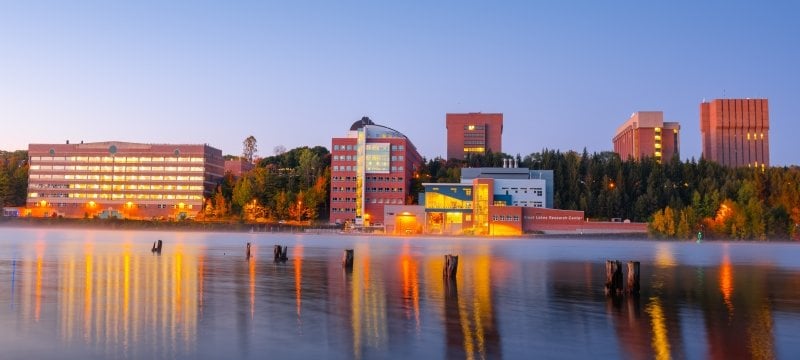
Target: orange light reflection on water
{"type": "Point", "coordinates": [409, 268]}
{"type": "Point", "coordinates": [660, 339]}
{"type": "Point", "coordinates": [726, 282]}
{"type": "Point", "coordinates": [298, 283]}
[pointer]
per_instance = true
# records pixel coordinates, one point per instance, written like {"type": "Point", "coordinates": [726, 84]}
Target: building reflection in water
{"type": "Point", "coordinates": [109, 299]}
{"type": "Point", "coordinates": [368, 303]}
{"type": "Point", "coordinates": [471, 328]}
{"type": "Point", "coordinates": [116, 299]}
{"type": "Point", "coordinates": [735, 311]}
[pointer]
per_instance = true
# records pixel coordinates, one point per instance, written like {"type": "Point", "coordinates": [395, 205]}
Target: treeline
{"type": "Point", "coordinates": [676, 198]}
{"type": "Point", "coordinates": [13, 178]}
{"type": "Point", "coordinates": [292, 185]}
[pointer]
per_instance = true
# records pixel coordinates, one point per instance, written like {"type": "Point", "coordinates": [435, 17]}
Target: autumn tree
{"type": "Point", "coordinates": [249, 148]}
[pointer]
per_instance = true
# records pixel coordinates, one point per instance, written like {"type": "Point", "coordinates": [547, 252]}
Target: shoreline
{"type": "Point", "coordinates": [274, 228]}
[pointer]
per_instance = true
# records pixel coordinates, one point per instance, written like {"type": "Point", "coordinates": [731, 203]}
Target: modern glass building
{"type": "Point", "coordinates": [121, 179]}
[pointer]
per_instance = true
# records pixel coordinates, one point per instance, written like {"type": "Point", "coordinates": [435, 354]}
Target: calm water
{"type": "Point", "coordinates": [79, 294]}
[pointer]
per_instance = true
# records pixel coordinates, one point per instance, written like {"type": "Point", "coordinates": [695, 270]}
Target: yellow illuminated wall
{"type": "Point", "coordinates": [481, 212]}
{"type": "Point", "coordinates": [435, 200]}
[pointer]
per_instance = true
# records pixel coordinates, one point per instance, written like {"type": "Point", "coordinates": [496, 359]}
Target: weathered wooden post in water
{"type": "Point", "coordinates": [248, 251]}
{"type": "Point", "coordinates": [633, 277]}
{"type": "Point", "coordinates": [613, 277]}
{"type": "Point", "coordinates": [347, 259]}
{"type": "Point", "coordinates": [450, 266]}
{"type": "Point", "coordinates": [157, 247]}
{"type": "Point", "coordinates": [280, 253]}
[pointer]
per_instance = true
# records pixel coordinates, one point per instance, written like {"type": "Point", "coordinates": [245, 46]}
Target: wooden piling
{"type": "Point", "coordinates": [157, 247]}
{"type": "Point", "coordinates": [450, 266]}
{"type": "Point", "coordinates": [633, 277]}
{"type": "Point", "coordinates": [248, 251]}
{"type": "Point", "coordinates": [280, 253]}
{"type": "Point", "coordinates": [347, 259]}
{"type": "Point", "coordinates": [613, 277]}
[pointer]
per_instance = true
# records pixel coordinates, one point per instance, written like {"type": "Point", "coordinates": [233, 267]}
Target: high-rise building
{"type": "Point", "coordinates": [370, 167]}
{"type": "Point", "coordinates": [473, 133]}
{"type": "Point", "coordinates": [735, 132]}
{"type": "Point", "coordinates": [121, 179]}
{"type": "Point", "coordinates": [646, 134]}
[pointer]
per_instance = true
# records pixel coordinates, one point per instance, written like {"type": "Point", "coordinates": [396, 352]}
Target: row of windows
{"type": "Point", "coordinates": [355, 147]}
{"type": "Point", "coordinates": [344, 147]}
{"type": "Point", "coordinates": [355, 157]}
{"type": "Point", "coordinates": [343, 210]}
{"type": "Point", "coordinates": [475, 135]}
{"type": "Point", "coordinates": [117, 196]}
{"type": "Point", "coordinates": [107, 187]}
{"type": "Point", "coordinates": [116, 177]}
{"type": "Point", "coordinates": [343, 189]}
{"type": "Point", "coordinates": [525, 203]}
{"type": "Point", "coordinates": [343, 168]}
{"type": "Point", "coordinates": [535, 190]}
{"type": "Point", "coordinates": [345, 157]}
{"type": "Point", "coordinates": [108, 168]}
{"type": "Point", "coordinates": [474, 142]}
{"type": "Point", "coordinates": [49, 186]}
{"type": "Point", "coordinates": [505, 218]}
{"type": "Point", "coordinates": [474, 127]}
{"type": "Point", "coordinates": [382, 178]}
{"type": "Point", "coordinates": [115, 159]}
{"type": "Point", "coordinates": [347, 200]}
{"type": "Point", "coordinates": [138, 206]}
{"type": "Point", "coordinates": [478, 149]}
{"type": "Point", "coordinates": [354, 168]}
{"type": "Point", "coordinates": [387, 201]}
{"type": "Point", "coordinates": [378, 189]}
{"type": "Point", "coordinates": [368, 178]}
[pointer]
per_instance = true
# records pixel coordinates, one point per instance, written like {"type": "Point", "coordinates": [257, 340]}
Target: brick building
{"type": "Point", "coordinates": [473, 133]}
{"type": "Point", "coordinates": [121, 179]}
{"type": "Point", "coordinates": [646, 134]}
{"type": "Point", "coordinates": [735, 132]}
{"type": "Point", "coordinates": [371, 166]}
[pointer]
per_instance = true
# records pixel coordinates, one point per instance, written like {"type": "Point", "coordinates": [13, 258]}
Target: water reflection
{"type": "Point", "coordinates": [109, 300]}
{"type": "Point", "coordinates": [112, 298]}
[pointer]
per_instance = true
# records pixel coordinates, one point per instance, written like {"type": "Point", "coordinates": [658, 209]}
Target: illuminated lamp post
{"type": "Point", "coordinates": [128, 207]}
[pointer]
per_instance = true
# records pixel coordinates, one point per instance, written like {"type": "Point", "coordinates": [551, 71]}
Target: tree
{"type": "Point", "coordinates": [250, 147]}
{"type": "Point", "coordinates": [242, 193]}
{"type": "Point", "coordinates": [220, 204]}
{"type": "Point", "coordinates": [279, 150]}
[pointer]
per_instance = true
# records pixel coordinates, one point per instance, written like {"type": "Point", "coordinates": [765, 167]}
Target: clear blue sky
{"type": "Point", "coordinates": [564, 73]}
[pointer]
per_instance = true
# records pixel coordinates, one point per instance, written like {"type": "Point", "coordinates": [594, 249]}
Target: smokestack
{"type": "Point", "coordinates": [505, 163]}
{"type": "Point", "coordinates": [515, 163]}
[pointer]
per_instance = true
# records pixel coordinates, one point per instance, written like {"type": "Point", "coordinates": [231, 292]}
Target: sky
{"type": "Point", "coordinates": [565, 74]}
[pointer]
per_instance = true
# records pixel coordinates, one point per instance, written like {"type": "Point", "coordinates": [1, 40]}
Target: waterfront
{"type": "Point", "coordinates": [102, 294]}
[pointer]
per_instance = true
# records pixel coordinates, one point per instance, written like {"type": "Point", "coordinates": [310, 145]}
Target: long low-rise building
{"type": "Point", "coordinates": [121, 179]}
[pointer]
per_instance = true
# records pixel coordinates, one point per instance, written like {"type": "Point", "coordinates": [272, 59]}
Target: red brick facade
{"type": "Point", "coordinates": [473, 133]}
{"type": "Point", "coordinates": [646, 134]}
{"type": "Point", "coordinates": [735, 132]}
{"type": "Point", "coordinates": [390, 187]}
